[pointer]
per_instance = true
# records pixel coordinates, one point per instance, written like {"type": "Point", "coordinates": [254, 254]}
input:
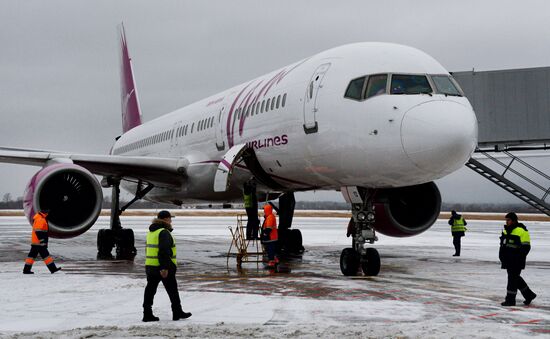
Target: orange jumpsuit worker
{"type": "Point", "coordinates": [39, 244]}
{"type": "Point", "coordinates": [270, 235]}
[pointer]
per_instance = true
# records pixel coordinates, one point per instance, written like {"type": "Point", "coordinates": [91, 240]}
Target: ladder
{"type": "Point", "coordinates": [244, 250]}
{"type": "Point", "coordinates": [520, 170]}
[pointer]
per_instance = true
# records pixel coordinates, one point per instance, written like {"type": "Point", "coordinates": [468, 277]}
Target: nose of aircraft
{"type": "Point", "coordinates": [439, 136]}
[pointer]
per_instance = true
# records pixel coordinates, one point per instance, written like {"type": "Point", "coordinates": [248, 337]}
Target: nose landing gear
{"type": "Point", "coordinates": [362, 231]}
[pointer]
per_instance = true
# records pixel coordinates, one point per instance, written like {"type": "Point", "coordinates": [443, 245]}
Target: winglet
{"type": "Point", "coordinates": [131, 111]}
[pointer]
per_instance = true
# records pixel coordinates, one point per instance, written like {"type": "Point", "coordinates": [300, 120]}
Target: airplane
{"type": "Point", "coordinates": [378, 122]}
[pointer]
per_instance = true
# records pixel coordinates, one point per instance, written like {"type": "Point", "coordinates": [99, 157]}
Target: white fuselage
{"type": "Point", "coordinates": [319, 139]}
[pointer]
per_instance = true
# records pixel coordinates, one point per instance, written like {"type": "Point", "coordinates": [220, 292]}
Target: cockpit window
{"type": "Point", "coordinates": [445, 85]}
{"type": "Point", "coordinates": [355, 89]}
{"type": "Point", "coordinates": [376, 85]}
{"type": "Point", "coordinates": [410, 84]}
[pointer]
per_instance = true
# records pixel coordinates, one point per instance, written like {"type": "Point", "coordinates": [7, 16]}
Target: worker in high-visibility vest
{"type": "Point", "coordinates": [515, 244]}
{"type": "Point", "coordinates": [270, 235]}
{"type": "Point", "coordinates": [458, 230]}
{"type": "Point", "coordinates": [251, 206]}
{"type": "Point", "coordinates": [39, 243]}
{"type": "Point", "coordinates": [161, 265]}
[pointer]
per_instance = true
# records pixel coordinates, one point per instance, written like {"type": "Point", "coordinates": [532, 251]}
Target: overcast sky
{"type": "Point", "coordinates": [59, 80]}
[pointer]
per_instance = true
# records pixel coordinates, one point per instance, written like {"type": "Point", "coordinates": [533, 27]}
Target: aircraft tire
{"type": "Point", "coordinates": [349, 262]}
{"type": "Point", "coordinates": [105, 243]}
{"type": "Point", "coordinates": [371, 266]}
{"type": "Point", "coordinates": [296, 241]}
{"type": "Point", "coordinates": [125, 244]}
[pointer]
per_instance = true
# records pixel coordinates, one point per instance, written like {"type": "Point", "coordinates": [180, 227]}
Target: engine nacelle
{"type": "Point", "coordinates": [407, 211]}
{"type": "Point", "coordinates": [71, 193]}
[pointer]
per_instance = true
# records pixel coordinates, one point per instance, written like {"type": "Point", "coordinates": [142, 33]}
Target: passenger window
{"type": "Point", "coordinates": [272, 103]}
{"type": "Point", "coordinates": [267, 105]}
{"type": "Point", "coordinates": [192, 127]}
{"type": "Point", "coordinates": [284, 100]}
{"type": "Point", "coordinates": [253, 108]}
{"type": "Point", "coordinates": [355, 89]}
{"type": "Point", "coordinates": [376, 85]}
{"type": "Point", "coordinates": [410, 84]}
{"type": "Point", "coordinates": [263, 103]}
{"type": "Point", "coordinates": [278, 101]}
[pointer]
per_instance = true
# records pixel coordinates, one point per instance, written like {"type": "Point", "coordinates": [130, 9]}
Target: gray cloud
{"type": "Point", "coordinates": [59, 59]}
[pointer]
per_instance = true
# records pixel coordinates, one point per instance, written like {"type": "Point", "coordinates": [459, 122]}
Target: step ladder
{"type": "Point", "coordinates": [523, 172]}
{"type": "Point", "coordinates": [249, 251]}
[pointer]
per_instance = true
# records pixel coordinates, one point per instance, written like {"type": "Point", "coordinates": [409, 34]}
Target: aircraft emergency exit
{"type": "Point", "coordinates": [377, 121]}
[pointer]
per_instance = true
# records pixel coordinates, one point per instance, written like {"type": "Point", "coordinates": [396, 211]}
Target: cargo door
{"type": "Point", "coordinates": [226, 166]}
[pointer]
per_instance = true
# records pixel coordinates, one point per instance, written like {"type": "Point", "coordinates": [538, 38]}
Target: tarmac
{"type": "Point", "coordinates": [421, 291]}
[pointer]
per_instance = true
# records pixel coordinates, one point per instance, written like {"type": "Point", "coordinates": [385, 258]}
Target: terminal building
{"type": "Point", "coordinates": [513, 112]}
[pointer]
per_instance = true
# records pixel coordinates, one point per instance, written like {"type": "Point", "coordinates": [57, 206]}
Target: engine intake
{"type": "Point", "coordinates": [407, 211]}
{"type": "Point", "coordinates": [71, 193]}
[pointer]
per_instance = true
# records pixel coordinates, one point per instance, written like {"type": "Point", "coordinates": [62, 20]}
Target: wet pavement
{"type": "Point", "coordinates": [465, 290]}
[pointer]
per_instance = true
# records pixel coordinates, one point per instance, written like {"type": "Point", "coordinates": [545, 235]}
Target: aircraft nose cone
{"type": "Point", "coordinates": [439, 136]}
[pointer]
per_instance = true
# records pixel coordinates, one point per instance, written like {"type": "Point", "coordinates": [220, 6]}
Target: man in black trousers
{"type": "Point", "coordinates": [160, 265]}
{"type": "Point", "coordinates": [515, 244]}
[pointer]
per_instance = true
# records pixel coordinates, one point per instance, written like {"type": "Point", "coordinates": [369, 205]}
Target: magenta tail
{"type": "Point", "coordinates": [131, 112]}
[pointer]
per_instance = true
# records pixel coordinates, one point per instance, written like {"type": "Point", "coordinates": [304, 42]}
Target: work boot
{"type": "Point", "coordinates": [53, 268]}
{"type": "Point", "coordinates": [149, 316]}
{"type": "Point", "coordinates": [528, 295]}
{"type": "Point", "coordinates": [456, 255]}
{"type": "Point", "coordinates": [27, 269]}
{"type": "Point", "coordinates": [510, 300]}
{"type": "Point", "coordinates": [178, 313]}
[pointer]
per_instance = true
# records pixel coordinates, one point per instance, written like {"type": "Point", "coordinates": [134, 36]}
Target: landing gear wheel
{"type": "Point", "coordinates": [125, 244]}
{"type": "Point", "coordinates": [349, 262]}
{"type": "Point", "coordinates": [371, 264]}
{"type": "Point", "coordinates": [105, 244]}
{"type": "Point", "coordinates": [298, 241]}
{"type": "Point", "coordinates": [295, 242]}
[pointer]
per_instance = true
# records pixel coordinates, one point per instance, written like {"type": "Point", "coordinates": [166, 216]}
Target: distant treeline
{"type": "Point", "coordinates": [9, 203]}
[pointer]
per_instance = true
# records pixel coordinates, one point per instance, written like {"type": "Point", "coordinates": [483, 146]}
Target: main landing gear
{"type": "Point", "coordinates": [122, 238]}
{"type": "Point", "coordinates": [290, 240]}
{"type": "Point", "coordinates": [362, 231]}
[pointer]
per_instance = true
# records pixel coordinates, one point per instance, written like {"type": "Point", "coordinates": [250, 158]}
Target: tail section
{"type": "Point", "coordinates": [131, 112]}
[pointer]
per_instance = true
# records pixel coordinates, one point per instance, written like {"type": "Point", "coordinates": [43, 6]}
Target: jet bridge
{"type": "Point", "coordinates": [513, 112]}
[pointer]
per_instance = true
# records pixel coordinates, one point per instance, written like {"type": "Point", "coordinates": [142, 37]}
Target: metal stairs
{"type": "Point", "coordinates": [520, 170]}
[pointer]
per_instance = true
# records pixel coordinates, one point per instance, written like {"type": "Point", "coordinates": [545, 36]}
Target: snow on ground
{"type": "Point", "coordinates": [421, 292]}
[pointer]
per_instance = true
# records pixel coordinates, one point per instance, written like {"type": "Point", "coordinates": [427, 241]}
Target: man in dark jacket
{"type": "Point", "coordinates": [251, 207]}
{"type": "Point", "coordinates": [515, 244]}
{"type": "Point", "coordinates": [458, 230]}
{"type": "Point", "coordinates": [160, 265]}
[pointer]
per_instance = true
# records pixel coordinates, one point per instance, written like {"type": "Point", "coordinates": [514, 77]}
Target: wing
{"type": "Point", "coordinates": [162, 172]}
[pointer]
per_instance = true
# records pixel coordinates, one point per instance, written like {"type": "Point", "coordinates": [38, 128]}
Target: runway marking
{"type": "Point", "coordinates": [534, 321]}
{"type": "Point", "coordinates": [486, 316]}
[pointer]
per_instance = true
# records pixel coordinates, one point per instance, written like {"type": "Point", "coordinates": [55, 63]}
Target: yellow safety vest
{"type": "Point", "coordinates": [152, 249]}
{"type": "Point", "coordinates": [458, 225]}
{"type": "Point", "coordinates": [247, 200]}
{"type": "Point", "coordinates": [516, 238]}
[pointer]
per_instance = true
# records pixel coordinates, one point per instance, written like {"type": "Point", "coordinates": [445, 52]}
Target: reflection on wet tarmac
{"type": "Point", "coordinates": [418, 269]}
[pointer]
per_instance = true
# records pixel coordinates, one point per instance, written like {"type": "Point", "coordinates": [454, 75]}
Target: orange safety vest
{"type": "Point", "coordinates": [271, 222]}
{"type": "Point", "coordinates": [39, 225]}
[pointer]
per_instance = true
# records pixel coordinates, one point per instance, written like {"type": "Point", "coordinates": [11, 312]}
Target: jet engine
{"type": "Point", "coordinates": [406, 211]}
{"type": "Point", "coordinates": [72, 195]}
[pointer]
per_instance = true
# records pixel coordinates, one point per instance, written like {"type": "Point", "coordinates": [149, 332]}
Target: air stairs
{"type": "Point", "coordinates": [515, 176]}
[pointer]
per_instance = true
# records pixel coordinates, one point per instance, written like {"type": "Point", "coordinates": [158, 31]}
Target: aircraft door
{"type": "Point", "coordinates": [310, 100]}
{"type": "Point", "coordinates": [220, 127]}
